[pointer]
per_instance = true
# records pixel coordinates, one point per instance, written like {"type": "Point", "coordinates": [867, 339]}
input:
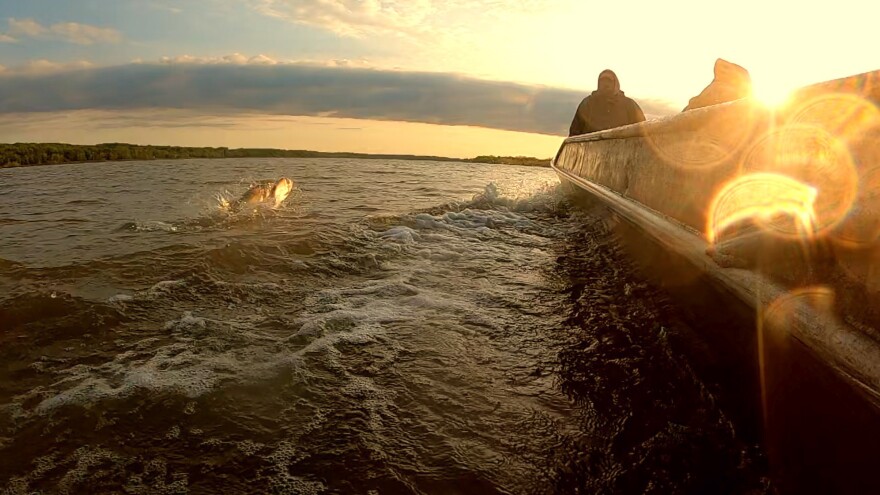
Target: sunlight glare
{"type": "Point", "coordinates": [761, 196]}
{"type": "Point", "coordinates": [845, 116]}
{"type": "Point", "coordinates": [772, 93]}
{"type": "Point", "coordinates": [811, 156]}
{"type": "Point", "coordinates": [718, 140]}
{"type": "Point", "coordinates": [861, 228]}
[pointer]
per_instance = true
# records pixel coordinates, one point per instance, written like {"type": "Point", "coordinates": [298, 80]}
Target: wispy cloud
{"type": "Point", "coordinates": [70, 32]}
{"type": "Point", "coordinates": [26, 27]}
{"type": "Point", "coordinates": [45, 67]}
{"type": "Point", "coordinates": [232, 59]}
{"type": "Point", "coordinates": [416, 18]}
{"type": "Point", "coordinates": [351, 17]}
{"type": "Point", "coordinates": [243, 86]}
{"type": "Point", "coordinates": [109, 119]}
{"type": "Point", "coordinates": [5, 38]}
{"type": "Point", "coordinates": [166, 8]}
{"type": "Point", "coordinates": [259, 59]}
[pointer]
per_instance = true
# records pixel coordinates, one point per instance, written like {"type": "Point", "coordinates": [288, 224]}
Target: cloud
{"type": "Point", "coordinates": [166, 8]}
{"type": "Point", "coordinates": [70, 32]}
{"type": "Point", "coordinates": [232, 59]}
{"type": "Point", "coordinates": [43, 67]}
{"type": "Point", "coordinates": [83, 34]}
{"type": "Point", "coordinates": [109, 119]}
{"type": "Point", "coordinates": [248, 85]}
{"type": "Point", "coordinates": [5, 38]}
{"type": "Point", "coordinates": [26, 27]}
{"type": "Point", "coordinates": [260, 59]}
{"type": "Point", "coordinates": [351, 17]}
{"type": "Point", "coordinates": [414, 18]}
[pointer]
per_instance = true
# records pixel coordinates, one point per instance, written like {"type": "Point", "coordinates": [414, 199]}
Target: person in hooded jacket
{"type": "Point", "coordinates": [605, 108]}
{"type": "Point", "coordinates": [731, 82]}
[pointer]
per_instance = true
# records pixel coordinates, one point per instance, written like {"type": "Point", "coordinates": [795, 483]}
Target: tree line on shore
{"type": "Point", "coordinates": [528, 161]}
{"type": "Point", "coordinates": [26, 154]}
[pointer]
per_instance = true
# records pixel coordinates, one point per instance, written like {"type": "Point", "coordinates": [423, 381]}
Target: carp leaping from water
{"type": "Point", "coordinates": [273, 193]}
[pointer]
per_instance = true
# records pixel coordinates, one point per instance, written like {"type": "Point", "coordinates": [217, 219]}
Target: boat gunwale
{"type": "Point", "coordinates": [847, 350]}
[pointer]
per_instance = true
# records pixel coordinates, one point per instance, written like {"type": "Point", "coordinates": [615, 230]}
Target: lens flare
{"type": "Point", "coordinates": [861, 227]}
{"type": "Point", "coordinates": [845, 116]}
{"type": "Point", "coordinates": [779, 313]}
{"type": "Point", "coordinates": [773, 324]}
{"type": "Point", "coordinates": [817, 297]}
{"type": "Point", "coordinates": [695, 151]}
{"type": "Point", "coordinates": [811, 156]}
{"type": "Point", "coordinates": [761, 196]}
{"type": "Point", "coordinates": [713, 138]}
{"type": "Point", "coordinates": [861, 267]}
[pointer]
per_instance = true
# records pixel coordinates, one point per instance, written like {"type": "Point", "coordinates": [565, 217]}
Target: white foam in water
{"type": "Point", "coordinates": [400, 234]}
{"type": "Point", "coordinates": [120, 298]}
{"type": "Point", "coordinates": [451, 235]}
{"type": "Point", "coordinates": [87, 459]}
{"type": "Point", "coordinates": [460, 234]}
{"type": "Point", "coordinates": [249, 447]}
{"type": "Point", "coordinates": [154, 226]}
{"type": "Point", "coordinates": [167, 287]}
{"type": "Point", "coordinates": [186, 322]}
{"type": "Point", "coordinates": [158, 289]}
{"type": "Point", "coordinates": [164, 286]}
{"type": "Point", "coordinates": [207, 352]}
{"type": "Point", "coordinates": [547, 197]}
{"type": "Point", "coordinates": [279, 477]}
{"type": "Point", "coordinates": [81, 466]}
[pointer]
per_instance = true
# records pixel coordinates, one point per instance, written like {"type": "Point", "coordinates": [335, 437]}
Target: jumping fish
{"type": "Point", "coordinates": [276, 192]}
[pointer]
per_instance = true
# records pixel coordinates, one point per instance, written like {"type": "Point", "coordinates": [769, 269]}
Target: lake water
{"type": "Point", "coordinates": [393, 327]}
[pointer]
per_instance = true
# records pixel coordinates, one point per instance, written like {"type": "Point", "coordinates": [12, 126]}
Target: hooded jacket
{"type": "Point", "coordinates": [731, 82]}
{"type": "Point", "coordinates": [605, 110]}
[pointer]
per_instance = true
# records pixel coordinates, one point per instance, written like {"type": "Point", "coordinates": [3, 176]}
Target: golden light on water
{"type": "Point", "coordinates": [761, 196]}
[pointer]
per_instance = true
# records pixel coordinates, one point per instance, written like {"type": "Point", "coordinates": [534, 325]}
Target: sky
{"type": "Point", "coordinates": [442, 77]}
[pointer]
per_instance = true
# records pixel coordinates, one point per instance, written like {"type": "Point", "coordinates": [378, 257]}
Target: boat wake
{"type": "Point", "coordinates": [423, 349]}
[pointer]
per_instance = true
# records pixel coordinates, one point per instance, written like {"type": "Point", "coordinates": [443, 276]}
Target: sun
{"type": "Point", "coordinates": [771, 92]}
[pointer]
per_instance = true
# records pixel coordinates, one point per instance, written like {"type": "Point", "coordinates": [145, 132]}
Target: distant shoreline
{"type": "Point", "coordinates": [36, 154]}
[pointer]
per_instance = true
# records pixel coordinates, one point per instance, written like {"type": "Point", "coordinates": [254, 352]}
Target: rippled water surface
{"type": "Point", "coordinates": [394, 327]}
